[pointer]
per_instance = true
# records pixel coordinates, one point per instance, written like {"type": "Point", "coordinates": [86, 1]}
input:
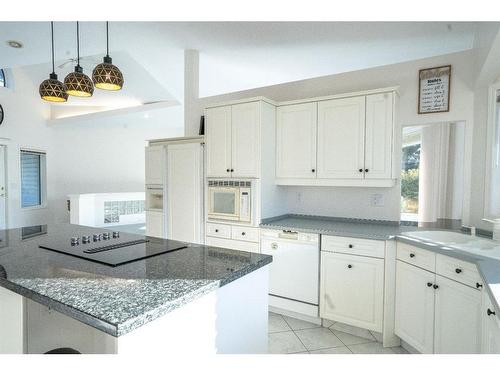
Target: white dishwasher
{"type": "Point", "coordinates": [294, 271]}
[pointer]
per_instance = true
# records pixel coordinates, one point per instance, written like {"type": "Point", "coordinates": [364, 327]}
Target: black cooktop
{"type": "Point", "coordinates": [110, 248]}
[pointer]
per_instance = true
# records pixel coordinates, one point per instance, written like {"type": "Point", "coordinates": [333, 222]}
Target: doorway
{"type": "Point", "coordinates": [3, 187]}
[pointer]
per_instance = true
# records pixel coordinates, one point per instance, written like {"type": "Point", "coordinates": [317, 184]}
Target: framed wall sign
{"type": "Point", "coordinates": [434, 89]}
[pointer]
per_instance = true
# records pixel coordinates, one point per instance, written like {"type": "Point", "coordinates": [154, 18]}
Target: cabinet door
{"type": "Point", "coordinates": [184, 192]}
{"type": "Point", "coordinates": [457, 327]}
{"type": "Point", "coordinates": [245, 134]}
{"type": "Point", "coordinates": [154, 224]}
{"type": "Point", "coordinates": [341, 138]}
{"type": "Point", "coordinates": [378, 139]}
{"type": "Point", "coordinates": [414, 319]}
{"type": "Point", "coordinates": [296, 141]}
{"type": "Point", "coordinates": [218, 141]}
{"type": "Point", "coordinates": [491, 327]}
{"type": "Point", "coordinates": [352, 290]}
{"type": "Point", "coordinates": [155, 156]}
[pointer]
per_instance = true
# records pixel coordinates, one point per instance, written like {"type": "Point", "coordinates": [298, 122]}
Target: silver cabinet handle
{"type": "Point", "coordinates": [274, 246]}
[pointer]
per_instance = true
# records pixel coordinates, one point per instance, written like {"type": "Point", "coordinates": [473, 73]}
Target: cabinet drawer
{"type": "Point", "coordinates": [458, 270]}
{"type": "Point", "coordinates": [218, 230]}
{"type": "Point", "coordinates": [245, 233]}
{"type": "Point", "coordinates": [233, 244]}
{"type": "Point", "coordinates": [354, 246]}
{"type": "Point", "coordinates": [416, 256]}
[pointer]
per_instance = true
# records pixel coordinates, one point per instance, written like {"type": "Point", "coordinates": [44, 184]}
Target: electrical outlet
{"type": "Point", "coordinates": [377, 200]}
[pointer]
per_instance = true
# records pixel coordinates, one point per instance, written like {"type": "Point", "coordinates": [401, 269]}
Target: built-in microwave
{"type": "Point", "coordinates": [230, 200]}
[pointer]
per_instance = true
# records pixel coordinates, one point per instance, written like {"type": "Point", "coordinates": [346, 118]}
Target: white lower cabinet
{"type": "Point", "coordinates": [352, 290]}
{"type": "Point", "coordinates": [457, 326]}
{"type": "Point", "coordinates": [490, 328]}
{"type": "Point", "coordinates": [236, 237]}
{"type": "Point", "coordinates": [435, 314]}
{"type": "Point", "coordinates": [155, 226]}
{"type": "Point", "coordinates": [415, 306]}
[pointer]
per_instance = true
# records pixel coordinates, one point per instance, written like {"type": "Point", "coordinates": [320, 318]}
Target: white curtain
{"type": "Point", "coordinates": [433, 172]}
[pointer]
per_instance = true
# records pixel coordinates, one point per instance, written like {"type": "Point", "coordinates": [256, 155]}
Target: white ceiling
{"type": "Point", "coordinates": [240, 55]}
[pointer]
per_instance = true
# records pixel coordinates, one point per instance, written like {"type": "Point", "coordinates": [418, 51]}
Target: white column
{"type": "Point", "coordinates": [192, 112]}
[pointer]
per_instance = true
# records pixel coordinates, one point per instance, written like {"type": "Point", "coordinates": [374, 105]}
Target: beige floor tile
{"type": "Point", "coordinates": [296, 324]}
{"type": "Point", "coordinates": [349, 339]}
{"type": "Point", "coordinates": [276, 323]}
{"type": "Point", "coordinates": [284, 343]}
{"type": "Point", "coordinates": [370, 348]}
{"type": "Point", "coordinates": [356, 331]}
{"type": "Point", "coordinates": [318, 338]}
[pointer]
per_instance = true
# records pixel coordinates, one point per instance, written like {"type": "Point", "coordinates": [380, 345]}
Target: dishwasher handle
{"type": "Point", "coordinates": [288, 234]}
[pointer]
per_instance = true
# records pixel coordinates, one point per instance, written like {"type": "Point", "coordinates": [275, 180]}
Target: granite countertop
{"type": "Point", "coordinates": [489, 268]}
{"type": "Point", "coordinates": [115, 300]}
{"type": "Point", "coordinates": [359, 228]}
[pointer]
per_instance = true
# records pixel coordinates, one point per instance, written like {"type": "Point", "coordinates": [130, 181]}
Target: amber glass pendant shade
{"type": "Point", "coordinates": [78, 84]}
{"type": "Point", "coordinates": [107, 76]}
{"type": "Point", "coordinates": [53, 90]}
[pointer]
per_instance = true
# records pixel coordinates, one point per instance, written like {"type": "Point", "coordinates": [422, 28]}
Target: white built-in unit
{"type": "Point", "coordinates": [240, 139]}
{"type": "Point", "coordinates": [174, 189]}
{"type": "Point", "coordinates": [438, 302]}
{"type": "Point", "coordinates": [341, 140]}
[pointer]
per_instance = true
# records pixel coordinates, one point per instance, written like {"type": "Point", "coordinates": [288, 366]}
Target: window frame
{"type": "Point", "coordinates": [43, 178]}
{"type": "Point", "coordinates": [491, 148]}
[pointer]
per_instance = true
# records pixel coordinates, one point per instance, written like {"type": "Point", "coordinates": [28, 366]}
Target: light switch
{"type": "Point", "coordinates": [377, 200]}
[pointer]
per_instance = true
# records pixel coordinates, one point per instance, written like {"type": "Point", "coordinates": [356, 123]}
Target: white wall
{"type": "Point", "coordinates": [107, 156]}
{"type": "Point", "coordinates": [24, 126]}
{"type": "Point", "coordinates": [355, 202]}
{"type": "Point", "coordinates": [95, 156]}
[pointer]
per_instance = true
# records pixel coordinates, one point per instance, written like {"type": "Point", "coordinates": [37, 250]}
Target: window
{"type": "Point", "coordinates": [32, 179]}
{"type": "Point", "coordinates": [412, 140]}
{"type": "Point", "coordinates": [2, 78]}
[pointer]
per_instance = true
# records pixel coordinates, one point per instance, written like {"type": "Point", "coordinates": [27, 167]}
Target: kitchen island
{"type": "Point", "coordinates": [198, 298]}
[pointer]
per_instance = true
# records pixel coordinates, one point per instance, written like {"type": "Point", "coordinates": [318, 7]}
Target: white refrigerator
{"type": "Point", "coordinates": [175, 189]}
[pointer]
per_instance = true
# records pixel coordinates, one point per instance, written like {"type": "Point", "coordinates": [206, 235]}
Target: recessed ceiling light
{"type": "Point", "coordinates": [14, 44]}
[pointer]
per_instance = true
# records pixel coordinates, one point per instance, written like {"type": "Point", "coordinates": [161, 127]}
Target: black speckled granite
{"type": "Point", "coordinates": [119, 299]}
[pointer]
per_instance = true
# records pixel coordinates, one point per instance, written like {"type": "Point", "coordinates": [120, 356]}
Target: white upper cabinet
{"type": "Point", "coordinates": [337, 141]}
{"type": "Point", "coordinates": [378, 136]}
{"type": "Point", "coordinates": [155, 161]}
{"type": "Point", "coordinates": [218, 141]}
{"type": "Point", "coordinates": [233, 140]}
{"type": "Point", "coordinates": [457, 323]}
{"type": "Point", "coordinates": [296, 141]}
{"type": "Point", "coordinates": [414, 319]}
{"type": "Point", "coordinates": [245, 140]}
{"type": "Point", "coordinates": [341, 134]}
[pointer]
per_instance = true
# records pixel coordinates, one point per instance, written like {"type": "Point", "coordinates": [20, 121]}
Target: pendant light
{"type": "Point", "coordinates": [77, 83]}
{"type": "Point", "coordinates": [53, 90]}
{"type": "Point", "coordinates": [107, 76]}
